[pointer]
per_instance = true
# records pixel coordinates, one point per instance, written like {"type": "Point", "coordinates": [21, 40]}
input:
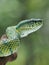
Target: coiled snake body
{"type": "Point", "coordinates": [15, 33]}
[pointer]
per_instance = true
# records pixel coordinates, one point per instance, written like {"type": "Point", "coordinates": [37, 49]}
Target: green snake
{"type": "Point", "coordinates": [9, 45]}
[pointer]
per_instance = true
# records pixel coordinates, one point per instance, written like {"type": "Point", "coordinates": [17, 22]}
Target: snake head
{"type": "Point", "coordinates": [29, 26]}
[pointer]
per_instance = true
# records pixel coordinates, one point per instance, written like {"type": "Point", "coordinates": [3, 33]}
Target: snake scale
{"type": "Point", "coordinates": [10, 44]}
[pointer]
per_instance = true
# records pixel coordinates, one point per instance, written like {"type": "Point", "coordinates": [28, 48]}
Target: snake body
{"type": "Point", "coordinates": [9, 47]}
{"type": "Point", "coordinates": [15, 33]}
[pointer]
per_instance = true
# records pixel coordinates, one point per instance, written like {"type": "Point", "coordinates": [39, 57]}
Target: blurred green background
{"type": "Point", "coordinates": [34, 49]}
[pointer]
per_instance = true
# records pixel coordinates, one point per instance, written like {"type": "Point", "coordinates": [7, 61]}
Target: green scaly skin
{"type": "Point", "coordinates": [29, 26]}
{"type": "Point", "coordinates": [9, 47]}
{"type": "Point", "coordinates": [15, 33]}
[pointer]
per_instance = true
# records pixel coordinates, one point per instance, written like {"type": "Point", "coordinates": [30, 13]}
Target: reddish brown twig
{"type": "Point", "coordinates": [4, 60]}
